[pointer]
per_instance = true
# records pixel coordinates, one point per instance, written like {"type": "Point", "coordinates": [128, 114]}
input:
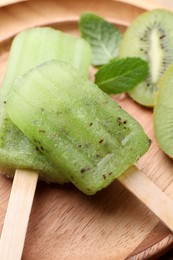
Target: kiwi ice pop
{"type": "Point", "coordinates": [30, 48]}
{"type": "Point", "coordinates": [77, 126]}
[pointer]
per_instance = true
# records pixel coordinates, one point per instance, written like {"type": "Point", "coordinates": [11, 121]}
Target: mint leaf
{"type": "Point", "coordinates": [121, 75]}
{"type": "Point", "coordinates": [103, 37]}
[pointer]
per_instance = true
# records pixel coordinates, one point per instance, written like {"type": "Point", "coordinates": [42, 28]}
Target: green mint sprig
{"type": "Point", "coordinates": [116, 75]}
{"type": "Point", "coordinates": [103, 37]}
{"type": "Point", "coordinates": [121, 75]}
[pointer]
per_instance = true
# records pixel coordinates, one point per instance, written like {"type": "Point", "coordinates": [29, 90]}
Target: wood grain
{"type": "Point", "coordinates": [17, 215]}
{"type": "Point", "coordinates": [8, 2]}
{"type": "Point", "coordinates": [148, 193]}
{"type": "Point", "coordinates": [145, 4]}
{"type": "Point", "coordinates": [66, 224]}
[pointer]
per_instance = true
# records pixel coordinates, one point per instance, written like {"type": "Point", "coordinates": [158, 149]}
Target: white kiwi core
{"type": "Point", "coordinates": [156, 55]}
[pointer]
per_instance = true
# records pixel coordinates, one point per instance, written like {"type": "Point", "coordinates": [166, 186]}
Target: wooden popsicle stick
{"type": "Point", "coordinates": [148, 193]}
{"type": "Point", "coordinates": [17, 215]}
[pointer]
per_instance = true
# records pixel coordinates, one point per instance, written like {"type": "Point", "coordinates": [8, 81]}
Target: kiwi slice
{"type": "Point", "coordinates": [150, 37]}
{"type": "Point", "coordinates": [163, 113]}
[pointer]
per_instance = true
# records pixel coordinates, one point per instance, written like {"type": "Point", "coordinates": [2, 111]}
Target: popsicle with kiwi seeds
{"type": "Point", "coordinates": [29, 48]}
{"type": "Point", "coordinates": [75, 125]}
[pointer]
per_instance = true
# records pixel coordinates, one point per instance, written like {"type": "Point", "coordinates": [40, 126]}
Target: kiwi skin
{"type": "Point", "coordinates": [149, 37]}
{"type": "Point", "coordinates": [163, 113]}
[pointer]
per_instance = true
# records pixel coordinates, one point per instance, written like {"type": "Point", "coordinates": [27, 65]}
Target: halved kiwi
{"type": "Point", "coordinates": [163, 113]}
{"type": "Point", "coordinates": [150, 37]}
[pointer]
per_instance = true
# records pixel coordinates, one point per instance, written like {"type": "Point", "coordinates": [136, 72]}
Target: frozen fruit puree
{"type": "Point", "coordinates": [76, 125]}
{"type": "Point", "coordinates": [28, 49]}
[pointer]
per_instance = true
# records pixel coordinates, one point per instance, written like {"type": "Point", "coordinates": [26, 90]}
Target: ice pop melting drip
{"type": "Point", "coordinates": [77, 126]}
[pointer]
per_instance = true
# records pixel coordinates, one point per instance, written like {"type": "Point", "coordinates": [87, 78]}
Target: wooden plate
{"type": "Point", "coordinates": [66, 224]}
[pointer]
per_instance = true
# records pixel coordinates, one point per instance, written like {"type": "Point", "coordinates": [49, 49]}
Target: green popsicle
{"type": "Point", "coordinates": [77, 126]}
{"type": "Point", "coordinates": [30, 48]}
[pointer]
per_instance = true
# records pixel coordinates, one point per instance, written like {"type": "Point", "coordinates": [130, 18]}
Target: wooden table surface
{"type": "Point", "coordinates": [66, 224]}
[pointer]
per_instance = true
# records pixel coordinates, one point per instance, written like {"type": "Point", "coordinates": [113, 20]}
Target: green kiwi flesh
{"type": "Point", "coordinates": [163, 113]}
{"type": "Point", "coordinates": [150, 37]}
